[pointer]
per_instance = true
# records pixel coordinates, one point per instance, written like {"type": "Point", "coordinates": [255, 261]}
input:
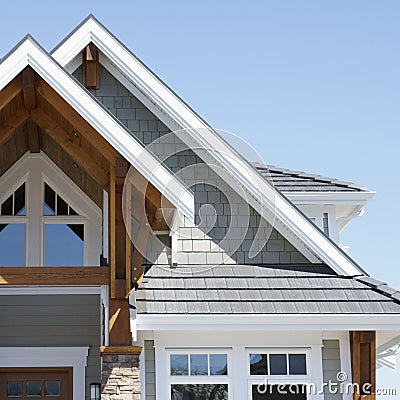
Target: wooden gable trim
{"type": "Point", "coordinates": [71, 144]}
{"type": "Point", "coordinates": [12, 124]}
{"type": "Point", "coordinates": [10, 91]}
{"type": "Point", "coordinates": [81, 125]}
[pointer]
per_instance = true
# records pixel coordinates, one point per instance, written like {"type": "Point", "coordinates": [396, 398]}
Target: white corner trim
{"type": "Point", "coordinates": [75, 357]}
{"type": "Point", "coordinates": [280, 322]}
{"type": "Point", "coordinates": [195, 132]}
{"type": "Point", "coordinates": [29, 53]}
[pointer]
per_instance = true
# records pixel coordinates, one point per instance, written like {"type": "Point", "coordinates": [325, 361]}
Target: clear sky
{"type": "Point", "coordinates": [313, 85]}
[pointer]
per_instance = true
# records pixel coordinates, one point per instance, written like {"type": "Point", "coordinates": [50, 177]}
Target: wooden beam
{"type": "Point", "coordinates": [33, 137]}
{"type": "Point", "coordinates": [111, 228]}
{"type": "Point", "coordinates": [28, 88]}
{"type": "Point", "coordinates": [71, 145]}
{"type": "Point", "coordinates": [54, 276]}
{"type": "Point", "coordinates": [363, 364]}
{"type": "Point", "coordinates": [119, 323]}
{"type": "Point", "coordinates": [81, 126]}
{"type": "Point", "coordinates": [150, 192]}
{"type": "Point", "coordinates": [8, 128]}
{"type": "Point", "coordinates": [10, 91]}
{"type": "Point", "coordinates": [91, 67]}
{"type": "Point", "coordinates": [134, 350]}
{"type": "Point", "coordinates": [128, 244]}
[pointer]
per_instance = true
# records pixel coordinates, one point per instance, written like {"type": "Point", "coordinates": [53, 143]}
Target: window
{"type": "Point", "coordinates": [63, 242]}
{"type": "Point", "coordinates": [278, 364]}
{"type": "Point", "coordinates": [198, 375]}
{"type": "Point", "coordinates": [278, 375]}
{"type": "Point", "coordinates": [12, 228]}
{"type": "Point", "coordinates": [45, 219]}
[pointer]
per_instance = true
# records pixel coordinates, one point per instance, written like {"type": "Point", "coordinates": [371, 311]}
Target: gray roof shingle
{"type": "Point", "coordinates": [297, 181]}
{"type": "Point", "coordinates": [249, 289]}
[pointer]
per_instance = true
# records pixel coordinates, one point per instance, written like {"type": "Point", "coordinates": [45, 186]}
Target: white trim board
{"type": "Point", "coordinates": [48, 290]}
{"type": "Point", "coordinates": [215, 151]}
{"type": "Point", "coordinates": [282, 322]}
{"type": "Point", "coordinates": [75, 357]}
{"type": "Point", "coordinates": [28, 52]}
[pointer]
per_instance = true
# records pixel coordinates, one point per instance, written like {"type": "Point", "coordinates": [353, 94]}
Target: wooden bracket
{"type": "Point", "coordinates": [91, 67]}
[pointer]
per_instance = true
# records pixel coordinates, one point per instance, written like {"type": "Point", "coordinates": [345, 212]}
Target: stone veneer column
{"type": "Point", "coordinates": [120, 377]}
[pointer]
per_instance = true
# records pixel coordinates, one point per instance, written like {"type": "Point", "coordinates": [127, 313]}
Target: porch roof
{"type": "Point", "coordinates": [272, 289]}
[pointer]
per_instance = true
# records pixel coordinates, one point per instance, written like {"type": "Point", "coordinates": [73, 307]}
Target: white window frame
{"type": "Point", "coordinates": [35, 168]}
{"type": "Point", "coordinates": [311, 365]}
{"type": "Point", "coordinates": [198, 379]}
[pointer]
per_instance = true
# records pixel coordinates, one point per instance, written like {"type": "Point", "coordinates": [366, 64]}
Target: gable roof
{"type": "Point", "coordinates": [29, 52]}
{"type": "Point", "coordinates": [195, 132]}
{"type": "Point", "coordinates": [287, 180]}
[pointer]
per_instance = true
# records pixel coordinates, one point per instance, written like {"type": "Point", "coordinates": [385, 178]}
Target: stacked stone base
{"type": "Point", "coordinates": [120, 377]}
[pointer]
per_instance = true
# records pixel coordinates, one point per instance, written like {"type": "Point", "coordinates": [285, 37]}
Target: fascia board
{"type": "Point", "coordinates": [332, 198]}
{"type": "Point", "coordinates": [194, 128]}
{"type": "Point", "coordinates": [29, 53]}
{"type": "Point", "coordinates": [278, 322]}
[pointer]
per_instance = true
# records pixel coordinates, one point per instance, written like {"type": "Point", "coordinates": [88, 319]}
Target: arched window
{"type": "Point", "coordinates": [45, 219]}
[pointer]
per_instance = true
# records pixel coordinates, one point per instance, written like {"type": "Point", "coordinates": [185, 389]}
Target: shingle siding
{"type": "Point", "coordinates": [54, 320]}
{"type": "Point", "coordinates": [226, 229]}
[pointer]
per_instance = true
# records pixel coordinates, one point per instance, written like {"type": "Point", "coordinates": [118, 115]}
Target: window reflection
{"type": "Point", "coordinates": [12, 245]}
{"type": "Point", "coordinates": [64, 245]}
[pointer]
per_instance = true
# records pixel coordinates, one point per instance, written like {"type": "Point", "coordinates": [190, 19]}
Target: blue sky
{"type": "Point", "coordinates": [313, 85]}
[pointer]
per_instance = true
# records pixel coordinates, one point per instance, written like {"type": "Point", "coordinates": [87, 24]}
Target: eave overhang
{"type": "Point", "coordinates": [29, 52]}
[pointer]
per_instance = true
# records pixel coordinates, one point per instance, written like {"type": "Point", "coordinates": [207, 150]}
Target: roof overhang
{"type": "Point", "coordinates": [29, 52]}
{"type": "Point", "coordinates": [267, 322]}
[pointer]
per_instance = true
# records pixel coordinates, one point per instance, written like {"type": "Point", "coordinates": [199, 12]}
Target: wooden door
{"type": "Point", "coordinates": [36, 383]}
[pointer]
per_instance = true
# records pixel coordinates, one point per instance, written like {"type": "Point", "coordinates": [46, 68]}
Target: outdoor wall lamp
{"type": "Point", "coordinates": [95, 391]}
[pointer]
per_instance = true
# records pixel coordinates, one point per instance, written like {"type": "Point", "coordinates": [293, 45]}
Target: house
{"type": "Point", "coordinates": [141, 257]}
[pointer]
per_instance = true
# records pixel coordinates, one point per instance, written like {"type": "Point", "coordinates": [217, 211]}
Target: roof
{"type": "Point", "coordinates": [247, 289]}
{"type": "Point", "coordinates": [297, 181]}
{"type": "Point", "coordinates": [205, 142]}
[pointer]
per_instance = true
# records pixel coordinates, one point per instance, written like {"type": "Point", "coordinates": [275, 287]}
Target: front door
{"type": "Point", "coordinates": [36, 383]}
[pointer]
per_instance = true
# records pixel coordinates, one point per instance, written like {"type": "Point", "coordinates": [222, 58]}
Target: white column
{"type": "Point", "coordinates": [239, 371]}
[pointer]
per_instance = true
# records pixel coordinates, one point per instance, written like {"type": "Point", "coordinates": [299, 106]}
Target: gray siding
{"type": "Point", "coordinates": [54, 320]}
{"type": "Point", "coordinates": [331, 366]}
{"type": "Point", "coordinates": [150, 370]}
{"type": "Point", "coordinates": [249, 241]}
{"type": "Point", "coordinates": [143, 124]}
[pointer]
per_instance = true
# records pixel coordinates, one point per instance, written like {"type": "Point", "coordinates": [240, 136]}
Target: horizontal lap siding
{"type": "Point", "coordinates": [54, 320]}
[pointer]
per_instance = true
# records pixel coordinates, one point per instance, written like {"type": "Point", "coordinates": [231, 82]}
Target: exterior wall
{"type": "Point", "coordinates": [54, 320]}
{"type": "Point", "coordinates": [127, 108]}
{"type": "Point", "coordinates": [331, 366]}
{"type": "Point", "coordinates": [228, 231]}
{"type": "Point", "coordinates": [238, 345]}
{"type": "Point", "coordinates": [120, 377]}
{"type": "Point", "coordinates": [150, 370]}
